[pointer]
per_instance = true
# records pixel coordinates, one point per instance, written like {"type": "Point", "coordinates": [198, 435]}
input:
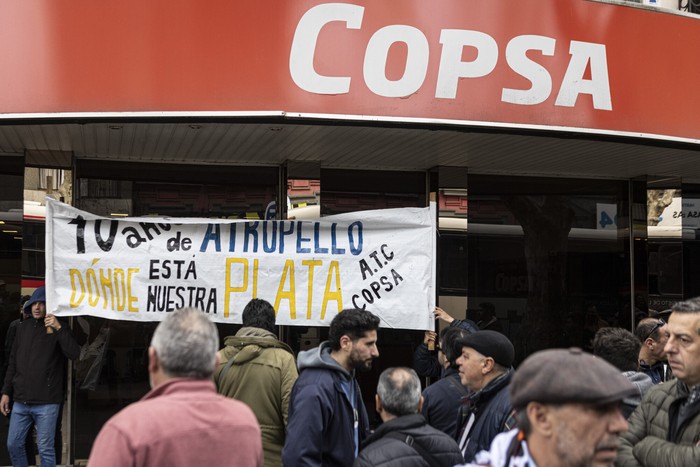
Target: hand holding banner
{"type": "Point", "coordinates": [139, 269]}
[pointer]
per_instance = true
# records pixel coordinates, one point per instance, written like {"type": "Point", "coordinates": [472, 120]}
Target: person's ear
{"type": "Point", "coordinates": [541, 418]}
{"type": "Point", "coordinates": [487, 365]}
{"type": "Point", "coordinates": [420, 404]}
{"type": "Point", "coordinates": [153, 363]}
{"type": "Point", "coordinates": [346, 343]}
{"type": "Point", "coordinates": [378, 403]}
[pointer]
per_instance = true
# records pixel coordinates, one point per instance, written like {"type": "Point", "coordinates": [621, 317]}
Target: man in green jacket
{"type": "Point", "coordinates": [665, 428]}
{"type": "Point", "coordinates": [258, 369]}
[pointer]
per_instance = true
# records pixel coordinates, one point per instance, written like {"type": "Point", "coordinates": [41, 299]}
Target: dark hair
{"type": "Point", "coordinates": [688, 306]}
{"type": "Point", "coordinates": [258, 313]}
{"type": "Point", "coordinates": [618, 346]}
{"type": "Point", "coordinates": [691, 305]}
{"type": "Point", "coordinates": [648, 327]}
{"type": "Point", "coordinates": [449, 344]}
{"type": "Point", "coordinates": [352, 322]}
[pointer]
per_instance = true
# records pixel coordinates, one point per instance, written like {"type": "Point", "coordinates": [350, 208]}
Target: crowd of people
{"type": "Point", "coordinates": [633, 401]}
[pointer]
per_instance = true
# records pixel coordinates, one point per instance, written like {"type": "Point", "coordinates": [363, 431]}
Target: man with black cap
{"type": "Point", "coordinates": [665, 428]}
{"type": "Point", "coordinates": [485, 369]}
{"type": "Point", "coordinates": [35, 380]}
{"type": "Point", "coordinates": [567, 411]}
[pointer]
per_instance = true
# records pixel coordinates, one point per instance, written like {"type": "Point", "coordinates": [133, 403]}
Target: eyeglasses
{"type": "Point", "coordinates": [659, 323]}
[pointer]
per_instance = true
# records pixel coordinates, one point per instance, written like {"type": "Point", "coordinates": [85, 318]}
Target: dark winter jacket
{"type": "Point", "coordinates": [658, 372]}
{"type": "Point", "coordinates": [36, 369]}
{"type": "Point", "coordinates": [441, 402]}
{"type": "Point", "coordinates": [426, 363]}
{"type": "Point", "coordinates": [492, 413]}
{"type": "Point", "coordinates": [321, 417]}
{"type": "Point", "coordinates": [385, 451]}
{"type": "Point", "coordinates": [648, 442]}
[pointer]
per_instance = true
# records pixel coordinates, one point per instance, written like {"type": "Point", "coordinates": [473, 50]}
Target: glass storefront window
{"type": "Point", "coordinates": [551, 256]}
{"type": "Point", "coordinates": [11, 232]}
{"type": "Point", "coordinates": [115, 374]}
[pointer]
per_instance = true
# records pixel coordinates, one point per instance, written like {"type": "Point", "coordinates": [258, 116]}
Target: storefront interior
{"type": "Point", "coordinates": [560, 234]}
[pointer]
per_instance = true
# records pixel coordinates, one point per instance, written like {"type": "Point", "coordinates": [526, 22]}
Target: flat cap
{"type": "Point", "coordinates": [490, 344]}
{"type": "Point", "coordinates": [559, 376]}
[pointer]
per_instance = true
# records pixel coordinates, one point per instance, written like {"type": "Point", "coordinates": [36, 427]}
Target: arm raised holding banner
{"type": "Point", "coordinates": [425, 362]}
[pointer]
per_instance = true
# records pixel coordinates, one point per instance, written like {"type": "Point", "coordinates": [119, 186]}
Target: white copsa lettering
{"type": "Point", "coordinates": [451, 68]}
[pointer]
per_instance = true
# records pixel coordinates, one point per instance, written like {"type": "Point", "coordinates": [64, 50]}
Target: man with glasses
{"type": "Point", "coordinates": [653, 333]}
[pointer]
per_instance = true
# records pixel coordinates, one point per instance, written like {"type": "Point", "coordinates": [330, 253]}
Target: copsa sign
{"type": "Point", "coordinates": [584, 57]}
{"type": "Point", "coordinates": [575, 65]}
{"type": "Point", "coordinates": [140, 269]}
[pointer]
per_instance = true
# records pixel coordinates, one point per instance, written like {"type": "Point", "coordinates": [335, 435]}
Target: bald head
{"type": "Point", "coordinates": [399, 391]}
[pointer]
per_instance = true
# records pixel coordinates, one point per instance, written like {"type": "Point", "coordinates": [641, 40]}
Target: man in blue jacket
{"type": "Point", "coordinates": [35, 380]}
{"type": "Point", "coordinates": [485, 368]}
{"type": "Point", "coordinates": [327, 417]}
{"type": "Point", "coordinates": [442, 400]}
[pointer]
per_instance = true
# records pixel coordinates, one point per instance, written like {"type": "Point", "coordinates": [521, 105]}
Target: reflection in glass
{"type": "Point", "coordinates": [551, 256]}
{"type": "Point", "coordinates": [113, 370]}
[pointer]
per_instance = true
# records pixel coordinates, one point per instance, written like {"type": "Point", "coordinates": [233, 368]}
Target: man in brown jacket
{"type": "Point", "coordinates": [665, 428]}
{"type": "Point", "coordinates": [258, 369]}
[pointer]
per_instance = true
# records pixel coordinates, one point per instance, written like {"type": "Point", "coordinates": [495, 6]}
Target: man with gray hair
{"type": "Point", "coordinates": [182, 421]}
{"type": "Point", "coordinates": [405, 439]}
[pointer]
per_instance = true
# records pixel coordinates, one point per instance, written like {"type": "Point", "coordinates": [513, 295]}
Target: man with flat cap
{"type": "Point", "coordinates": [485, 369]}
{"type": "Point", "coordinates": [567, 405]}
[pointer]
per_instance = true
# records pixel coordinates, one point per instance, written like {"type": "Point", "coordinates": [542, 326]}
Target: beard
{"type": "Point", "coordinates": [358, 363]}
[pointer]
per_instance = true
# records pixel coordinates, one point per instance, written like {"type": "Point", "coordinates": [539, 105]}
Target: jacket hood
{"type": "Point", "coordinates": [643, 383]}
{"type": "Point", "coordinates": [320, 357]}
{"type": "Point", "coordinates": [249, 342]}
{"type": "Point", "coordinates": [39, 295]}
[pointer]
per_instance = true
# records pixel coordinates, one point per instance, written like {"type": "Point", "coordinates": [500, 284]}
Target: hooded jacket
{"type": "Point", "coordinates": [262, 375]}
{"type": "Point", "coordinates": [643, 383]}
{"type": "Point", "coordinates": [322, 420]}
{"type": "Point", "coordinates": [36, 368]}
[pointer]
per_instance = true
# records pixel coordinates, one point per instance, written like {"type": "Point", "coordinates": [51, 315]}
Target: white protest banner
{"type": "Point", "coordinates": [139, 269]}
